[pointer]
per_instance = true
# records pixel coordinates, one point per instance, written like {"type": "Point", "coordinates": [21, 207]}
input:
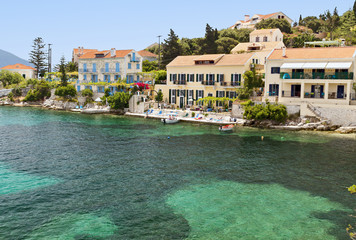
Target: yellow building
{"type": "Point", "coordinates": [190, 78]}
{"type": "Point", "coordinates": [311, 75]}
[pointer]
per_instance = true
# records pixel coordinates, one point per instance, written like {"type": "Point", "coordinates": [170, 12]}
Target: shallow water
{"type": "Point", "coordinates": [73, 176]}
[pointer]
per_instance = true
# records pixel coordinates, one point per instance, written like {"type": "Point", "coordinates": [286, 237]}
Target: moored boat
{"type": "Point", "coordinates": [226, 128]}
{"type": "Point", "coordinates": [170, 120]}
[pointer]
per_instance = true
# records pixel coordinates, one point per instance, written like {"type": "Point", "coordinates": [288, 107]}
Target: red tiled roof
{"type": "Point", "coordinates": [144, 53]}
{"type": "Point", "coordinates": [76, 50]}
{"type": "Point", "coordinates": [107, 54]}
{"type": "Point", "coordinates": [268, 15]}
{"type": "Point", "coordinates": [314, 53]}
{"type": "Point", "coordinates": [17, 66]}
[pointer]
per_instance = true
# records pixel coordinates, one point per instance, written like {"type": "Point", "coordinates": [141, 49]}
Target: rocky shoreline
{"type": "Point", "coordinates": [300, 124]}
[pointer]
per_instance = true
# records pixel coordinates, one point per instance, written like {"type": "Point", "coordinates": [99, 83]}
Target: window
{"type": "Point", "coordinates": [106, 67]}
{"type": "Point", "coordinates": [129, 65]}
{"type": "Point", "coordinates": [137, 66]}
{"type": "Point", "coordinates": [85, 67]}
{"type": "Point", "coordinates": [94, 78]}
{"type": "Point", "coordinates": [220, 77]}
{"type": "Point", "coordinates": [138, 78]}
{"type": "Point", "coordinates": [94, 67]}
{"type": "Point", "coordinates": [200, 77]}
{"type": "Point", "coordinates": [117, 67]}
{"type": "Point", "coordinates": [173, 96]}
{"type": "Point", "coordinates": [235, 79]}
{"type": "Point", "coordinates": [117, 77]}
{"type": "Point", "coordinates": [190, 97]}
{"type": "Point", "coordinates": [190, 77]}
{"type": "Point", "coordinates": [265, 39]}
{"type": "Point", "coordinates": [276, 39]}
{"type": "Point", "coordinates": [200, 94]}
{"type": "Point", "coordinates": [107, 78]}
{"type": "Point", "coordinates": [133, 56]}
{"type": "Point", "coordinates": [101, 89]}
{"type": "Point", "coordinates": [210, 78]}
{"type": "Point", "coordinates": [220, 94]}
{"type": "Point", "coordinates": [257, 39]}
{"type": "Point", "coordinates": [84, 77]}
{"type": "Point", "coordinates": [273, 90]}
{"type": "Point", "coordinates": [78, 88]}
{"type": "Point", "coordinates": [275, 70]}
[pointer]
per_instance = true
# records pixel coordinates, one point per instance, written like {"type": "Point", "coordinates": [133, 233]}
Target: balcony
{"type": "Point", "coordinates": [336, 95]}
{"type": "Point", "coordinates": [180, 82]}
{"type": "Point", "coordinates": [110, 70]}
{"type": "Point", "coordinates": [290, 94]}
{"type": "Point", "coordinates": [137, 59]}
{"type": "Point", "coordinates": [319, 95]}
{"type": "Point", "coordinates": [317, 75]}
{"type": "Point", "coordinates": [235, 84]}
{"type": "Point", "coordinates": [208, 82]}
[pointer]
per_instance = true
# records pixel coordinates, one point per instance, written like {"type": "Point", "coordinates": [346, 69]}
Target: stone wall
{"type": "Point", "coordinates": [5, 92]}
{"type": "Point", "coordinates": [344, 116]}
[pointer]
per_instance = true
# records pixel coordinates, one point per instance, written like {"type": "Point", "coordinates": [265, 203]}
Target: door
{"type": "Point", "coordinates": [340, 91]}
{"type": "Point", "coordinates": [181, 102]}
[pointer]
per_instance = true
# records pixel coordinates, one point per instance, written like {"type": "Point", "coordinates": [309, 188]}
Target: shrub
{"type": "Point", "coordinates": [87, 93]}
{"type": "Point", "coordinates": [276, 112]}
{"type": "Point", "coordinates": [10, 96]}
{"type": "Point", "coordinates": [243, 93]}
{"type": "Point", "coordinates": [40, 91]}
{"type": "Point", "coordinates": [66, 91]}
{"type": "Point", "coordinates": [120, 100]}
{"type": "Point", "coordinates": [193, 114]}
{"type": "Point", "coordinates": [17, 92]}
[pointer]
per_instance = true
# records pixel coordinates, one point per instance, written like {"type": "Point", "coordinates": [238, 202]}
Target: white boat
{"type": "Point", "coordinates": [170, 120]}
{"type": "Point", "coordinates": [226, 128]}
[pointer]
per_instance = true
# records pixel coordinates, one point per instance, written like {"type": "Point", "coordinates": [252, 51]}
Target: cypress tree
{"type": "Point", "coordinates": [171, 48]}
{"type": "Point", "coordinates": [38, 56]}
{"type": "Point", "coordinates": [211, 35]}
{"type": "Point", "coordinates": [62, 70]}
{"type": "Point", "coordinates": [300, 20]}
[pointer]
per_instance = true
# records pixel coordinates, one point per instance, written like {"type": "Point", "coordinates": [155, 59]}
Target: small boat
{"type": "Point", "coordinates": [226, 128]}
{"type": "Point", "coordinates": [170, 120]}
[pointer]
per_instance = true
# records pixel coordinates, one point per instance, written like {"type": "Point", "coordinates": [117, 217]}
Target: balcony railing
{"type": "Point", "coordinates": [290, 94]}
{"type": "Point", "coordinates": [317, 75]}
{"type": "Point", "coordinates": [236, 84]}
{"type": "Point", "coordinates": [208, 82]}
{"type": "Point", "coordinates": [313, 95]}
{"type": "Point", "coordinates": [110, 70]}
{"type": "Point", "coordinates": [180, 82]}
{"type": "Point", "coordinates": [137, 59]}
{"type": "Point", "coordinates": [86, 70]}
{"type": "Point", "coordinates": [335, 95]}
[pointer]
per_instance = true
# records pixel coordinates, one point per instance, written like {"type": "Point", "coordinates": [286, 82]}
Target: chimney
{"type": "Point", "coordinates": [284, 52]}
{"type": "Point", "coordinates": [113, 52]}
{"type": "Point", "coordinates": [247, 17]}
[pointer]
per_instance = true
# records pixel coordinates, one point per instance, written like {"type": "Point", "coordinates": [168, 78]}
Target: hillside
{"type": "Point", "coordinates": [7, 58]}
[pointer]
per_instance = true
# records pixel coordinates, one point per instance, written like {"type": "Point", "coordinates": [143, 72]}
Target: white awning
{"type": "Point", "coordinates": [292, 65]}
{"type": "Point", "coordinates": [338, 65]}
{"type": "Point", "coordinates": [315, 65]}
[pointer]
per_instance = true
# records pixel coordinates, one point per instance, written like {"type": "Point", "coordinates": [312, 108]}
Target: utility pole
{"type": "Point", "coordinates": [159, 51]}
{"type": "Point", "coordinates": [49, 58]}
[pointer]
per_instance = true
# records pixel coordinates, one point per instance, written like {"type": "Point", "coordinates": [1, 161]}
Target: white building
{"type": "Point", "coordinates": [26, 72]}
{"type": "Point", "coordinates": [108, 66]}
{"type": "Point", "coordinates": [251, 22]}
{"type": "Point", "coordinates": [311, 75]}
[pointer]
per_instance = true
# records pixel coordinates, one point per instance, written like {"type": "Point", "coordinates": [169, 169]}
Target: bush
{"type": "Point", "coordinates": [120, 100]}
{"type": "Point", "coordinates": [193, 114]}
{"type": "Point", "coordinates": [17, 92]}
{"type": "Point", "coordinates": [40, 91]}
{"type": "Point", "coordinates": [10, 96]}
{"type": "Point", "coordinates": [276, 112]}
{"type": "Point", "coordinates": [243, 93]}
{"type": "Point", "coordinates": [66, 91]}
{"type": "Point", "coordinates": [87, 93]}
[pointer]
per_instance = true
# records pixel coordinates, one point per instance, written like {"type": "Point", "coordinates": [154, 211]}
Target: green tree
{"type": "Point", "coordinates": [226, 44]}
{"type": "Point", "coordinates": [159, 96]}
{"type": "Point", "coordinates": [8, 78]}
{"type": "Point", "coordinates": [347, 29]}
{"type": "Point", "coordinates": [252, 79]}
{"type": "Point", "coordinates": [40, 91]}
{"type": "Point", "coordinates": [300, 23]}
{"type": "Point", "coordinates": [67, 92]}
{"type": "Point", "coordinates": [332, 21]}
{"type": "Point", "coordinates": [241, 35]}
{"type": "Point", "coordinates": [170, 48]}
{"type": "Point", "coordinates": [38, 56]}
{"type": "Point", "coordinates": [354, 8]}
{"type": "Point", "coordinates": [211, 35]}
{"type": "Point", "coordinates": [148, 66]}
{"type": "Point", "coordinates": [120, 100]}
{"type": "Point", "coordinates": [312, 22]}
{"type": "Point", "coordinates": [72, 67]}
{"type": "Point", "coordinates": [282, 24]}
{"type": "Point", "coordinates": [62, 70]}
{"type": "Point", "coordinates": [87, 93]}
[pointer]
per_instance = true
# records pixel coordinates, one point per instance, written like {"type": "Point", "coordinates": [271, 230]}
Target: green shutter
{"type": "Point", "coordinates": [232, 77]}
{"type": "Point", "coordinates": [170, 94]}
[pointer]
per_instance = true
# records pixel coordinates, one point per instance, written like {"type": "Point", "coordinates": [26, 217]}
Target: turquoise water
{"type": "Point", "coordinates": [73, 176]}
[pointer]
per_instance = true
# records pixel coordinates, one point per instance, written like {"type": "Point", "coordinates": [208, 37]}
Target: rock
{"type": "Point", "coordinates": [345, 130]}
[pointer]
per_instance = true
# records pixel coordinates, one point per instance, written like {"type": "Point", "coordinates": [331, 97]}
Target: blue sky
{"type": "Point", "coordinates": [131, 24]}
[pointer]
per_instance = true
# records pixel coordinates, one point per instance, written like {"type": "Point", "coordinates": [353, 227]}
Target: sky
{"type": "Point", "coordinates": [107, 24]}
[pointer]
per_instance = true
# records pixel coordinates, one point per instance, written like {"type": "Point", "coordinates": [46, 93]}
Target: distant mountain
{"type": "Point", "coordinates": [7, 58]}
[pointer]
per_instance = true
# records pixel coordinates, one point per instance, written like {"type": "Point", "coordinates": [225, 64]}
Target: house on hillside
{"type": "Point", "coordinates": [108, 66]}
{"type": "Point", "coordinates": [311, 75]}
{"type": "Point", "coordinates": [251, 22]}
{"type": "Point", "coordinates": [147, 55]}
{"type": "Point", "coordinates": [193, 77]}
{"type": "Point", "coordinates": [26, 72]}
{"type": "Point", "coordinates": [262, 42]}
{"type": "Point", "coordinates": [80, 51]}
